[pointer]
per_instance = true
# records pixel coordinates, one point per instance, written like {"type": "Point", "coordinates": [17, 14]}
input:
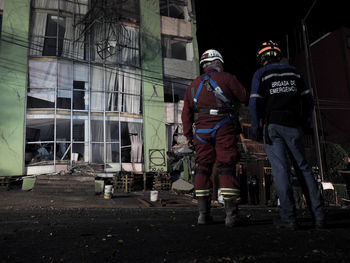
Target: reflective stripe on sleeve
{"type": "Point", "coordinates": [280, 75]}
{"type": "Point", "coordinates": [256, 96]}
{"type": "Point", "coordinates": [305, 92]}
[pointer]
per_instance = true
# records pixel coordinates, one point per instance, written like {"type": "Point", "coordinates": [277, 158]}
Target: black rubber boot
{"type": "Point", "coordinates": [204, 217]}
{"type": "Point", "coordinates": [231, 209]}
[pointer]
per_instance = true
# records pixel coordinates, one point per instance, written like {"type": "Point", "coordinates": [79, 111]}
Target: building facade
{"type": "Point", "coordinates": [93, 82]}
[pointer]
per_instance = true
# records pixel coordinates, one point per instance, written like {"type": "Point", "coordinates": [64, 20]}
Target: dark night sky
{"type": "Point", "coordinates": [236, 28]}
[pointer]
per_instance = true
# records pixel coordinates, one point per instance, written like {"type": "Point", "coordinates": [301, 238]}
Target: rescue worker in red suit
{"type": "Point", "coordinates": [208, 109]}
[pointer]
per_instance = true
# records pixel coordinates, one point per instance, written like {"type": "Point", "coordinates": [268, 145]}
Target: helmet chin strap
{"type": "Point", "coordinates": [265, 62]}
{"type": "Point", "coordinates": [218, 69]}
{"type": "Point", "coordinates": [217, 65]}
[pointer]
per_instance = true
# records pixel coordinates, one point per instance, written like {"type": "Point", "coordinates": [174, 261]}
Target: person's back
{"type": "Point", "coordinates": [280, 106]}
{"type": "Point", "coordinates": [208, 107]}
{"type": "Point", "coordinates": [282, 88]}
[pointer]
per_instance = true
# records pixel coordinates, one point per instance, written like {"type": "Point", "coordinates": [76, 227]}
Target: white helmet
{"type": "Point", "coordinates": [210, 55]}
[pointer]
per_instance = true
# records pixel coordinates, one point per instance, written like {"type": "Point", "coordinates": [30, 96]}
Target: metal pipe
{"type": "Point", "coordinates": [89, 94]}
{"type": "Point", "coordinates": [56, 89]}
{"type": "Point", "coordinates": [119, 108]}
{"type": "Point", "coordinates": [104, 101]}
{"type": "Point", "coordinates": [72, 92]}
{"type": "Point", "coordinates": [309, 78]}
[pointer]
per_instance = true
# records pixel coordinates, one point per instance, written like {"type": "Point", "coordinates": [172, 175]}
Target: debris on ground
{"type": "Point", "coordinates": [182, 186]}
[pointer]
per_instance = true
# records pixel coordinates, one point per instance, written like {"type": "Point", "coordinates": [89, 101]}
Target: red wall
{"type": "Point", "coordinates": [330, 64]}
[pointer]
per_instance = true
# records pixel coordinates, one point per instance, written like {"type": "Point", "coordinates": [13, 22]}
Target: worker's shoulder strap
{"type": "Point", "coordinates": [196, 95]}
{"type": "Point", "coordinates": [205, 79]}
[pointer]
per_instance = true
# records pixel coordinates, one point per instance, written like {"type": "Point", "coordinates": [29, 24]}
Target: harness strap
{"type": "Point", "coordinates": [195, 98]}
{"type": "Point", "coordinates": [212, 87]}
{"type": "Point", "coordinates": [220, 96]}
{"type": "Point", "coordinates": [212, 131]}
{"type": "Point", "coordinates": [216, 111]}
{"type": "Point", "coordinates": [196, 95]}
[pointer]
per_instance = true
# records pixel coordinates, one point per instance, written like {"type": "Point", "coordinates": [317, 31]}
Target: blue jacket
{"type": "Point", "coordinates": [280, 95]}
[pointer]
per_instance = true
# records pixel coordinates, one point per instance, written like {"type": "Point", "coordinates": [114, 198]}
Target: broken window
{"type": "Point", "coordinates": [41, 99]}
{"type": "Point", "coordinates": [62, 129]}
{"type": "Point", "coordinates": [113, 40]}
{"type": "Point", "coordinates": [42, 84]}
{"type": "Point", "coordinates": [97, 130]}
{"type": "Point", "coordinates": [131, 142]}
{"type": "Point", "coordinates": [40, 129]}
{"type": "Point", "coordinates": [112, 141]}
{"type": "Point", "coordinates": [112, 131]}
{"type": "Point", "coordinates": [63, 151]}
{"type": "Point", "coordinates": [125, 143]}
{"type": "Point", "coordinates": [73, 42]}
{"type": "Point", "coordinates": [64, 78]}
{"type": "Point", "coordinates": [129, 85]}
{"type": "Point", "coordinates": [97, 101]}
{"type": "Point", "coordinates": [174, 47]}
{"type": "Point", "coordinates": [63, 136]}
{"type": "Point", "coordinates": [39, 140]}
{"type": "Point", "coordinates": [97, 145]}
{"type": "Point", "coordinates": [53, 35]}
{"type": "Point", "coordinates": [105, 141]}
{"type": "Point", "coordinates": [78, 95]}
{"type": "Point", "coordinates": [80, 148]}
{"type": "Point", "coordinates": [80, 86]}
{"type": "Point", "coordinates": [172, 8]}
{"type": "Point", "coordinates": [55, 29]}
{"type": "Point", "coordinates": [39, 153]}
{"type": "Point", "coordinates": [112, 101]}
{"type": "Point", "coordinates": [80, 152]}
{"type": "Point", "coordinates": [38, 29]}
{"type": "Point", "coordinates": [78, 130]}
{"type": "Point", "coordinates": [64, 103]}
{"type": "Point", "coordinates": [98, 155]}
{"type": "Point", "coordinates": [174, 89]}
{"type": "Point", "coordinates": [126, 82]}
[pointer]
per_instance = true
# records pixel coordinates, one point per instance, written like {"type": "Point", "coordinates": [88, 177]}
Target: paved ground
{"type": "Point", "coordinates": [73, 228]}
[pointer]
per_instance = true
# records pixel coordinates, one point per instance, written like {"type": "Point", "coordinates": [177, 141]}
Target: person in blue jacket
{"type": "Point", "coordinates": [281, 107]}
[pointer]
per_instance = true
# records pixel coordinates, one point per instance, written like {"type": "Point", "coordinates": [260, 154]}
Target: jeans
{"type": "Point", "coordinates": [284, 138]}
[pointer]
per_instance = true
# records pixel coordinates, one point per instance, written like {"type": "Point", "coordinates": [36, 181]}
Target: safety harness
{"type": "Point", "coordinates": [227, 111]}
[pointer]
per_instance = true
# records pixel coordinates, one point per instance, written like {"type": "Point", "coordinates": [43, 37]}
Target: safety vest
{"type": "Point", "coordinates": [225, 111]}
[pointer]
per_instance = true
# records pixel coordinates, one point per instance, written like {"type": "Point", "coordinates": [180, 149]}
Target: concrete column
{"type": "Point", "coordinates": [13, 79]}
{"type": "Point", "coordinates": [152, 86]}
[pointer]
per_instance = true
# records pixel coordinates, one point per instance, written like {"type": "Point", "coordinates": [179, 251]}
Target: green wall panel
{"type": "Point", "coordinates": [13, 75]}
{"type": "Point", "coordinates": [195, 47]}
{"type": "Point", "coordinates": [152, 85]}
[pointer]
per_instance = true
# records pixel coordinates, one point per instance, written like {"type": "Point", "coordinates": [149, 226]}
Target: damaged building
{"type": "Point", "coordinates": [100, 84]}
{"type": "Point", "coordinates": [93, 82]}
